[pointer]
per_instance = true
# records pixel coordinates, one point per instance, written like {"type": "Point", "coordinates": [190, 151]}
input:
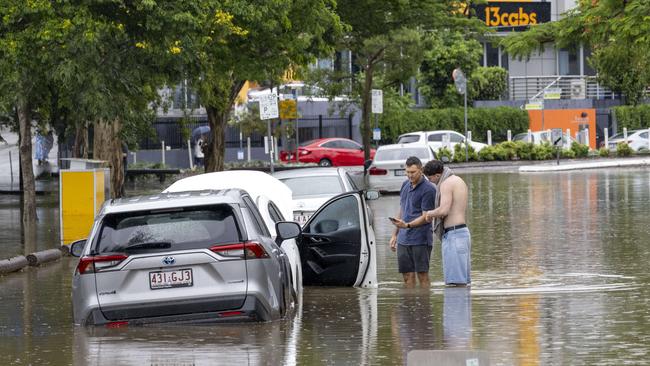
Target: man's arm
{"type": "Point", "coordinates": [446, 197]}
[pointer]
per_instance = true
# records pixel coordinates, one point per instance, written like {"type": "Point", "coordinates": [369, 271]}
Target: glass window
{"type": "Point", "coordinates": [402, 154]}
{"type": "Point", "coordinates": [331, 145]}
{"type": "Point", "coordinates": [275, 213]}
{"type": "Point", "coordinates": [454, 137]}
{"type": "Point", "coordinates": [643, 135]}
{"type": "Point", "coordinates": [178, 229]}
{"type": "Point", "coordinates": [338, 215]}
{"type": "Point", "coordinates": [351, 181]}
{"type": "Point", "coordinates": [257, 218]}
{"type": "Point", "coordinates": [491, 55]}
{"type": "Point", "coordinates": [314, 185]}
{"type": "Point", "coordinates": [408, 139]}
{"type": "Point", "coordinates": [344, 144]}
{"type": "Point", "coordinates": [568, 62]}
{"type": "Point", "coordinates": [435, 137]}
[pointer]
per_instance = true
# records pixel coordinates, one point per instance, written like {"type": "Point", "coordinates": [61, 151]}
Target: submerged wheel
{"type": "Point", "coordinates": [325, 162]}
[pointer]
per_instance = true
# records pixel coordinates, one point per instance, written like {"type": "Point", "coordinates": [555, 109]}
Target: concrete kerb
{"type": "Point", "coordinates": [605, 163]}
{"type": "Point", "coordinates": [36, 259]}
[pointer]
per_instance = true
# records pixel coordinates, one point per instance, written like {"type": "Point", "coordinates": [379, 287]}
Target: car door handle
{"type": "Point", "coordinates": [318, 239]}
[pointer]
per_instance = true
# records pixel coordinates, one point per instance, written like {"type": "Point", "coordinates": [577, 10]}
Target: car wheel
{"type": "Point", "coordinates": [325, 162]}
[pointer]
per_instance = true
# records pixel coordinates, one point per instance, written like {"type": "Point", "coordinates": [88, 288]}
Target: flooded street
{"type": "Point", "coordinates": [559, 270]}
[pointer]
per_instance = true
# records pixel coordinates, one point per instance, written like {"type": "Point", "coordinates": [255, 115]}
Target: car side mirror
{"type": "Point", "coordinates": [77, 247]}
{"type": "Point", "coordinates": [372, 195]}
{"type": "Point", "coordinates": [286, 230]}
{"type": "Point", "coordinates": [366, 164]}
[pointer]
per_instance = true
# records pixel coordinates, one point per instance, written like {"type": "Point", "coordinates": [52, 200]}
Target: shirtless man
{"type": "Point", "coordinates": [456, 239]}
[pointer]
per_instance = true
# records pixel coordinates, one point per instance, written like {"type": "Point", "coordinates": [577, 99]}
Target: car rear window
{"type": "Point", "coordinates": [177, 229]}
{"type": "Point", "coordinates": [406, 139]}
{"type": "Point", "coordinates": [402, 154]}
{"type": "Point", "coordinates": [314, 185]}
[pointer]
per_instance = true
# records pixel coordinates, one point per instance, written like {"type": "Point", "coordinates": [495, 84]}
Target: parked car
{"type": "Point", "coordinates": [209, 255]}
{"type": "Point", "coordinates": [436, 139]}
{"type": "Point", "coordinates": [636, 139]}
{"type": "Point", "coordinates": [539, 137]}
{"type": "Point", "coordinates": [328, 152]}
{"type": "Point", "coordinates": [387, 172]}
{"type": "Point", "coordinates": [312, 187]}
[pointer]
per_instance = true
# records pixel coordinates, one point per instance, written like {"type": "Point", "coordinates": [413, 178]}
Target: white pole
{"type": "Point", "coordinates": [530, 136]}
{"type": "Point", "coordinates": [625, 134]}
{"type": "Point", "coordinates": [568, 137]}
{"type": "Point", "coordinates": [606, 133]}
{"type": "Point", "coordinates": [469, 136]}
{"type": "Point", "coordinates": [11, 168]}
{"type": "Point", "coordinates": [162, 146]}
{"type": "Point", "coordinates": [648, 137]}
{"type": "Point", "coordinates": [135, 157]}
{"type": "Point", "coordinates": [489, 137]}
{"type": "Point", "coordinates": [189, 154]}
{"type": "Point", "coordinates": [509, 135]}
{"type": "Point", "coordinates": [248, 147]}
{"type": "Point", "coordinates": [587, 137]}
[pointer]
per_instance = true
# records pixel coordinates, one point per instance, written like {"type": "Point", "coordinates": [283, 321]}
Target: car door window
{"type": "Point", "coordinates": [341, 214]}
{"type": "Point", "coordinates": [257, 218]}
{"type": "Point", "coordinates": [407, 139]}
{"type": "Point", "coordinates": [275, 213]}
{"type": "Point", "coordinates": [457, 138]}
{"type": "Point", "coordinates": [643, 135]}
{"type": "Point", "coordinates": [331, 145]}
{"type": "Point", "coordinates": [349, 145]}
{"type": "Point", "coordinates": [435, 137]}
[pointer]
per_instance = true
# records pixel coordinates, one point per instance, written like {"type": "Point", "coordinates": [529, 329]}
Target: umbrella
{"type": "Point", "coordinates": [201, 130]}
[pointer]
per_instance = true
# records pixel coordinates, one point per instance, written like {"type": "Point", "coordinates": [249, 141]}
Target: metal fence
{"type": "Point", "coordinates": [571, 86]}
{"type": "Point", "coordinates": [169, 130]}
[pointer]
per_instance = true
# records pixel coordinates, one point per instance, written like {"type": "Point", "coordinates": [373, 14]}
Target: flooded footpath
{"type": "Point", "coordinates": [559, 264]}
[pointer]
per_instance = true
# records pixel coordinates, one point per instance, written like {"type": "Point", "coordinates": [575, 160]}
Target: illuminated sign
{"type": "Point", "coordinates": [509, 16]}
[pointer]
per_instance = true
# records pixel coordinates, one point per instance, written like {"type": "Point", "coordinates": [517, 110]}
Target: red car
{"type": "Point", "coordinates": [328, 152]}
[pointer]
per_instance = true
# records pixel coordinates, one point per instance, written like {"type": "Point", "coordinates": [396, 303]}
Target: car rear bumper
{"type": "Point", "coordinates": [253, 309]}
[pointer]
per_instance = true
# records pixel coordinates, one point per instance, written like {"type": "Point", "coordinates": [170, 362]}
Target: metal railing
{"type": "Point", "coordinates": [571, 86]}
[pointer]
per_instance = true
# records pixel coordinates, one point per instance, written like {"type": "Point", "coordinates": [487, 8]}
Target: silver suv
{"type": "Point", "coordinates": [182, 257]}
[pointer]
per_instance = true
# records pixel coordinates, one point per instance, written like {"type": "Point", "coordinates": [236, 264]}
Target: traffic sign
{"type": "Point", "coordinates": [534, 106]}
{"type": "Point", "coordinates": [459, 80]}
{"type": "Point", "coordinates": [553, 93]}
{"type": "Point", "coordinates": [269, 106]}
{"type": "Point", "coordinates": [377, 101]}
{"type": "Point", "coordinates": [288, 109]}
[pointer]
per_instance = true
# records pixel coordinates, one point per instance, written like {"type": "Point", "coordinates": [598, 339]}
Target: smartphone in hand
{"type": "Point", "coordinates": [392, 219]}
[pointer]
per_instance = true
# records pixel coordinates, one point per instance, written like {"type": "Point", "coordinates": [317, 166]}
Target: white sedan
{"type": "Point", "coordinates": [311, 187]}
{"type": "Point", "coordinates": [386, 173]}
{"type": "Point", "coordinates": [438, 139]}
{"type": "Point", "coordinates": [636, 139]}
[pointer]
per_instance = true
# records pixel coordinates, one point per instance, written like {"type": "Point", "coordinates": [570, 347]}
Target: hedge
{"type": "Point", "coordinates": [479, 120]}
{"type": "Point", "coordinates": [632, 117]}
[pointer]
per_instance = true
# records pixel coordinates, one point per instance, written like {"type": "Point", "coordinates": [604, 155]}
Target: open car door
{"type": "Point", "coordinates": [337, 245]}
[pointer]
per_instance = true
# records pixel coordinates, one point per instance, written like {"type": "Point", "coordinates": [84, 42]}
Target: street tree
{"type": "Point", "coordinates": [617, 32]}
{"type": "Point", "coordinates": [387, 40]}
{"type": "Point", "coordinates": [268, 38]}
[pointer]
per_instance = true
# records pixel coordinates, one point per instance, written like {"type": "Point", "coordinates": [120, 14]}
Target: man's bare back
{"type": "Point", "coordinates": [455, 188]}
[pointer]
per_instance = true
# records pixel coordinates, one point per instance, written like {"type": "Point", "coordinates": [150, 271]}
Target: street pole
{"type": "Point", "coordinates": [269, 139]}
{"type": "Point", "coordinates": [466, 142]}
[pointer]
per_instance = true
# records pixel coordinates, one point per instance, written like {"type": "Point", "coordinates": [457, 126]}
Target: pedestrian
{"type": "Point", "coordinates": [413, 238]}
{"type": "Point", "coordinates": [198, 152]}
{"type": "Point", "coordinates": [449, 223]}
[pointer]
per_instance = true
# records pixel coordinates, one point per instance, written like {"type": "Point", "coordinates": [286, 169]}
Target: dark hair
{"type": "Point", "coordinates": [414, 160]}
{"type": "Point", "coordinates": [432, 167]}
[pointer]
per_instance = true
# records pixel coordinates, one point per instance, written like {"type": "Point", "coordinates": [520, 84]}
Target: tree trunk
{"type": "Point", "coordinates": [107, 146]}
{"type": "Point", "coordinates": [216, 147]}
{"type": "Point", "coordinates": [27, 169]}
{"type": "Point", "coordinates": [366, 100]}
{"type": "Point", "coordinates": [80, 148]}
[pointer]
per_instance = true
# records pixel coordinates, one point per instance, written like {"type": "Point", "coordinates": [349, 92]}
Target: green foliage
{"type": "Point", "coordinates": [580, 150]}
{"type": "Point", "coordinates": [506, 151]}
{"type": "Point", "coordinates": [567, 154]}
{"type": "Point", "coordinates": [616, 31]}
{"type": "Point", "coordinates": [488, 83]}
{"type": "Point", "coordinates": [543, 151]}
{"type": "Point", "coordinates": [632, 117]}
{"type": "Point", "coordinates": [398, 118]}
{"type": "Point", "coordinates": [603, 152]}
{"type": "Point", "coordinates": [524, 150]}
{"type": "Point", "coordinates": [459, 153]}
{"type": "Point", "coordinates": [444, 152]}
{"type": "Point", "coordinates": [488, 153]}
{"type": "Point", "coordinates": [623, 149]}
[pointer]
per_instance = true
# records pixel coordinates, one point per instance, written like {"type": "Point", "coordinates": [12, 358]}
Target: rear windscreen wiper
{"type": "Point", "coordinates": [150, 245]}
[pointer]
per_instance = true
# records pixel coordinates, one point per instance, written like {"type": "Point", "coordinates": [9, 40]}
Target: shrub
{"type": "Point", "coordinates": [487, 153]}
{"type": "Point", "coordinates": [603, 152]}
{"type": "Point", "coordinates": [506, 150]}
{"type": "Point", "coordinates": [580, 150]}
{"type": "Point", "coordinates": [459, 153]}
{"type": "Point", "coordinates": [524, 150]}
{"type": "Point", "coordinates": [567, 154]}
{"type": "Point", "coordinates": [623, 149]}
{"type": "Point", "coordinates": [443, 151]}
{"type": "Point", "coordinates": [542, 151]}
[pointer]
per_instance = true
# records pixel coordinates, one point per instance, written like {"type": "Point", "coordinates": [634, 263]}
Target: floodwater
{"type": "Point", "coordinates": [560, 278]}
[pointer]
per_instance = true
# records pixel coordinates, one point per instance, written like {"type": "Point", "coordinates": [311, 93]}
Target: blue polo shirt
{"type": "Point", "coordinates": [413, 201]}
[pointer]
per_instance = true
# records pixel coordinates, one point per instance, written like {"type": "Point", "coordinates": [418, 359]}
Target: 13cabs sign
{"type": "Point", "coordinates": [509, 16]}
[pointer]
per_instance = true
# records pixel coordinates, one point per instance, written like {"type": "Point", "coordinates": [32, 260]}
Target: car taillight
{"type": "Point", "coordinates": [92, 264]}
{"type": "Point", "coordinates": [249, 250]}
{"type": "Point", "coordinates": [376, 171]}
{"type": "Point", "coordinates": [304, 152]}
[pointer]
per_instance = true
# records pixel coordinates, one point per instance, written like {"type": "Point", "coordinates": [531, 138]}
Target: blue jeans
{"type": "Point", "coordinates": [456, 256]}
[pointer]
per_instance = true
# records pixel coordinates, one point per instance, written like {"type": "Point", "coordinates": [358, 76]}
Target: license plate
{"type": "Point", "coordinates": [400, 173]}
{"type": "Point", "coordinates": [301, 218]}
{"type": "Point", "coordinates": [170, 279]}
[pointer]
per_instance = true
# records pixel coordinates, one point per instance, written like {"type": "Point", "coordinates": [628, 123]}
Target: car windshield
{"type": "Point", "coordinates": [406, 139]}
{"type": "Point", "coordinates": [314, 186]}
{"type": "Point", "coordinates": [176, 229]}
{"type": "Point", "coordinates": [621, 135]}
{"type": "Point", "coordinates": [402, 154]}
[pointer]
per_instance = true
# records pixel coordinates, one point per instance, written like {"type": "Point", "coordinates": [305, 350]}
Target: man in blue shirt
{"type": "Point", "coordinates": [413, 237]}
